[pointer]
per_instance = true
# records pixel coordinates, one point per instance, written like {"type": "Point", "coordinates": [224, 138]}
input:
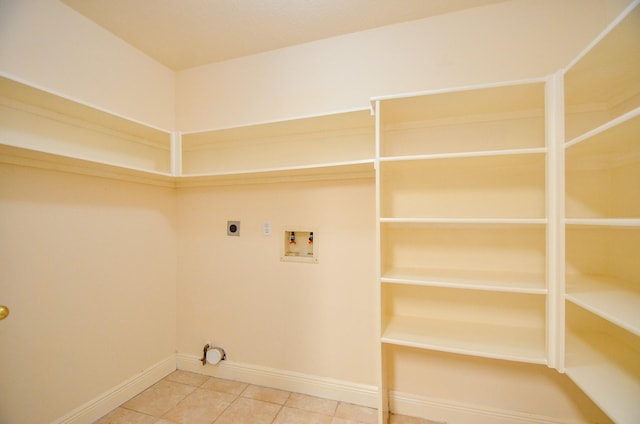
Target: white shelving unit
{"type": "Point", "coordinates": [462, 222]}
{"type": "Point", "coordinates": [602, 225]}
{"type": "Point", "coordinates": [39, 126]}
{"type": "Point", "coordinates": [327, 146]}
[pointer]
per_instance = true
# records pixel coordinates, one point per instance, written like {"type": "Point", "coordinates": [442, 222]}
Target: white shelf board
{"type": "Point", "coordinates": [487, 153]}
{"type": "Point", "coordinates": [604, 127]}
{"type": "Point", "coordinates": [466, 221]}
{"type": "Point", "coordinates": [78, 165]}
{"type": "Point", "coordinates": [324, 171]}
{"type": "Point", "coordinates": [513, 282]}
{"type": "Point", "coordinates": [488, 98]}
{"type": "Point", "coordinates": [467, 338]}
{"type": "Point", "coordinates": [608, 374]}
{"type": "Point", "coordinates": [604, 222]}
{"type": "Point", "coordinates": [608, 298]}
{"type": "Point", "coordinates": [342, 119]}
{"type": "Point", "coordinates": [15, 93]}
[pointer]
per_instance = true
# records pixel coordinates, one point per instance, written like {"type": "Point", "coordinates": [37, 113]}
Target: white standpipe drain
{"type": "Point", "coordinates": [215, 355]}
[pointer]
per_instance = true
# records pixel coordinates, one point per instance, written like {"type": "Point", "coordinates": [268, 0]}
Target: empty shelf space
{"type": "Point", "coordinates": [504, 186]}
{"type": "Point", "coordinates": [468, 338]}
{"type": "Point", "coordinates": [346, 137]}
{"type": "Point", "coordinates": [603, 174]}
{"type": "Point", "coordinates": [474, 119]}
{"type": "Point", "coordinates": [40, 121]}
{"type": "Point", "coordinates": [604, 83]}
{"type": "Point", "coordinates": [484, 323]}
{"type": "Point", "coordinates": [601, 254]}
{"type": "Point", "coordinates": [609, 298]}
{"type": "Point", "coordinates": [516, 282]}
{"type": "Point", "coordinates": [498, 249]}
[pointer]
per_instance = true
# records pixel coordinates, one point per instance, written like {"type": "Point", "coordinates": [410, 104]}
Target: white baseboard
{"type": "Point", "coordinates": [447, 411]}
{"type": "Point", "coordinates": [439, 410]}
{"type": "Point", "coordinates": [111, 399]}
{"type": "Point", "coordinates": [344, 391]}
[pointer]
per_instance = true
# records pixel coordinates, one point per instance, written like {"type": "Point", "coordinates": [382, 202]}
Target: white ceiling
{"type": "Point", "coordinates": [186, 33]}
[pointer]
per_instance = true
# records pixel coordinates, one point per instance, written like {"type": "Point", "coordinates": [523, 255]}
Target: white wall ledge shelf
{"type": "Point", "coordinates": [43, 160]}
{"type": "Point", "coordinates": [509, 282]}
{"type": "Point", "coordinates": [467, 338]}
{"type": "Point", "coordinates": [604, 222]}
{"type": "Point", "coordinates": [361, 169]}
{"type": "Point", "coordinates": [37, 120]}
{"type": "Point", "coordinates": [467, 221]}
{"type": "Point", "coordinates": [475, 154]}
{"type": "Point", "coordinates": [620, 120]}
{"type": "Point", "coordinates": [608, 297]}
{"type": "Point", "coordinates": [84, 166]}
{"type": "Point", "coordinates": [314, 141]}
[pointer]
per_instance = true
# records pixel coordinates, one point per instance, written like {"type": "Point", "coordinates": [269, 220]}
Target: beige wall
{"type": "Point", "coordinates": [88, 269]}
{"type": "Point", "coordinates": [315, 319]}
{"type": "Point", "coordinates": [506, 41]}
{"type": "Point", "coordinates": [49, 45]}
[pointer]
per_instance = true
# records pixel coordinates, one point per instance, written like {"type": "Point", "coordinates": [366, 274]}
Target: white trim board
{"type": "Point", "coordinates": [116, 396]}
{"type": "Point", "coordinates": [328, 388]}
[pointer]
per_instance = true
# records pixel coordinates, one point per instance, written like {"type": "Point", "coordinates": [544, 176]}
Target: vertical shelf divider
{"type": "Point", "coordinates": [383, 393]}
{"type": "Point", "coordinates": [176, 153]}
{"type": "Point", "coordinates": [554, 104]}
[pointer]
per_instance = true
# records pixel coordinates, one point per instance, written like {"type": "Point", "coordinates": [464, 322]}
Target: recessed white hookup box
{"type": "Point", "coordinates": [300, 244]}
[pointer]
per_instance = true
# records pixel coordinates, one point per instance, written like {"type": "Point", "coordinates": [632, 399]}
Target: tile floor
{"type": "Point", "coordinates": [188, 398]}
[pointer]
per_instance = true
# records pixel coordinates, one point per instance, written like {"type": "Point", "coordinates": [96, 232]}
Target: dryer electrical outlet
{"type": "Point", "coordinates": [233, 228]}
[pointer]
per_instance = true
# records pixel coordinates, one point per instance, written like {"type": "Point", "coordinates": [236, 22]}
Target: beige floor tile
{"type": "Point", "coordinates": [186, 377]}
{"type": "Point", "coordinates": [403, 419]}
{"type": "Point", "coordinates": [126, 416]}
{"type": "Point", "coordinates": [357, 413]}
{"type": "Point", "coordinates": [266, 394]}
{"type": "Point", "coordinates": [159, 398]}
{"type": "Point", "coordinates": [297, 416]}
{"type": "Point", "coordinates": [200, 407]}
{"type": "Point", "coordinates": [312, 403]}
{"type": "Point", "coordinates": [336, 420]}
{"type": "Point", "coordinates": [224, 386]}
{"type": "Point", "coordinates": [249, 411]}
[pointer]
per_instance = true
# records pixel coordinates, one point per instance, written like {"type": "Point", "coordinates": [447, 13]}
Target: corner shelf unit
{"type": "Point", "coordinates": [509, 221]}
{"type": "Point", "coordinates": [602, 219]}
{"type": "Point", "coordinates": [38, 128]}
